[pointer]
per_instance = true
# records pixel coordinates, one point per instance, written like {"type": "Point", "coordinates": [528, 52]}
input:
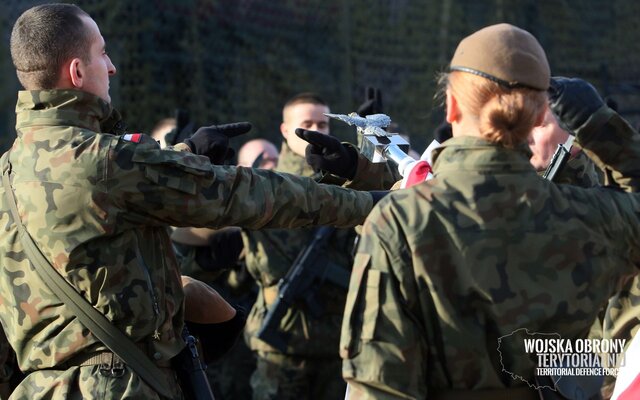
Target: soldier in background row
{"type": "Point", "coordinates": [309, 368]}
{"type": "Point", "coordinates": [217, 257]}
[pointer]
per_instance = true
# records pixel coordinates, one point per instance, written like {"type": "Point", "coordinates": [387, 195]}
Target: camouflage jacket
{"type": "Point", "coordinates": [446, 268]}
{"type": "Point", "coordinates": [97, 205]}
{"type": "Point", "coordinates": [270, 254]}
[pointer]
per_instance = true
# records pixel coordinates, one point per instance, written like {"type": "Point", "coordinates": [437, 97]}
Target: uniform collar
{"type": "Point", "coordinates": [470, 153]}
{"type": "Point", "coordinates": [60, 107]}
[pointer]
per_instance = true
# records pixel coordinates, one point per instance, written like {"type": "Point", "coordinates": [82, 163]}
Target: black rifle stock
{"type": "Point", "coordinates": [309, 270]}
{"type": "Point", "coordinates": [191, 371]}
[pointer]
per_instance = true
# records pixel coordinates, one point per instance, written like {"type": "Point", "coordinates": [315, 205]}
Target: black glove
{"type": "Point", "coordinates": [372, 102]}
{"type": "Point", "coordinates": [213, 141]}
{"type": "Point", "coordinates": [573, 101]}
{"type": "Point", "coordinates": [326, 153]}
{"type": "Point", "coordinates": [217, 339]}
{"type": "Point", "coordinates": [443, 132]}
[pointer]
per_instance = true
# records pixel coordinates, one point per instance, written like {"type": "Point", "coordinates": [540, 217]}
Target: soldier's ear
{"type": "Point", "coordinates": [76, 72]}
{"type": "Point", "coordinates": [453, 110]}
{"type": "Point", "coordinates": [285, 132]}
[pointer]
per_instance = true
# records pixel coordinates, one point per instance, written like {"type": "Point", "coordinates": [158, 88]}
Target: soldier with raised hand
{"type": "Point", "coordinates": [544, 141]}
{"type": "Point", "coordinates": [447, 269]}
{"type": "Point", "coordinates": [97, 207]}
{"type": "Point", "coordinates": [620, 318]}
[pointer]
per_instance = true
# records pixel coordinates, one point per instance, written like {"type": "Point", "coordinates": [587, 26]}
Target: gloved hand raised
{"type": "Point", "coordinates": [213, 141]}
{"type": "Point", "coordinates": [573, 101]}
{"type": "Point", "coordinates": [326, 153]}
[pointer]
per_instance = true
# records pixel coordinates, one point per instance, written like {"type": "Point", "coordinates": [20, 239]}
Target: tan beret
{"type": "Point", "coordinates": [505, 54]}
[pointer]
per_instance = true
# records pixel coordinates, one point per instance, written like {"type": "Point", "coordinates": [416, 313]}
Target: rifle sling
{"type": "Point", "coordinates": [96, 322]}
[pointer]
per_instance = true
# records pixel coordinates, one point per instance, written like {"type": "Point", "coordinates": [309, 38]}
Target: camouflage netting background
{"type": "Point", "coordinates": [231, 60]}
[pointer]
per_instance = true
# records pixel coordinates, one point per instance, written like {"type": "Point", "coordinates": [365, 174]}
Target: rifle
{"type": "Point", "coordinates": [559, 159]}
{"type": "Point", "coordinates": [310, 269]}
{"type": "Point", "coordinates": [191, 370]}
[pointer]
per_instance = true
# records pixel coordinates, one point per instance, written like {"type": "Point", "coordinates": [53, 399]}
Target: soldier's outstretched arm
{"type": "Point", "coordinates": [152, 186]}
{"type": "Point", "coordinates": [343, 161]}
{"type": "Point", "coordinates": [383, 350]}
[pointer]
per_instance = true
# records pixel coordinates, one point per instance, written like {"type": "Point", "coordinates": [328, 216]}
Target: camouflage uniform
{"type": "Point", "coordinates": [310, 368]}
{"type": "Point", "coordinates": [620, 318]}
{"type": "Point", "coordinates": [579, 171]}
{"type": "Point", "coordinates": [447, 267]}
{"type": "Point", "coordinates": [98, 205]}
{"type": "Point", "coordinates": [230, 375]}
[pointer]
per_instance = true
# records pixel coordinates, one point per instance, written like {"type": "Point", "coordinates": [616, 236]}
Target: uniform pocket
{"type": "Point", "coordinates": [361, 308]}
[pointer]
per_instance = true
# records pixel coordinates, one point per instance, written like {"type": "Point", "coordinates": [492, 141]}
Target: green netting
{"type": "Point", "coordinates": [233, 60]}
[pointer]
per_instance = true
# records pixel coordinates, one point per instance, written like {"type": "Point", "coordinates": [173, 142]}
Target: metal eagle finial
{"type": "Point", "coordinates": [371, 124]}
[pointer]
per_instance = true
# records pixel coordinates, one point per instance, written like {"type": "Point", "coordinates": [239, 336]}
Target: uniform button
{"type": "Point", "coordinates": [157, 355]}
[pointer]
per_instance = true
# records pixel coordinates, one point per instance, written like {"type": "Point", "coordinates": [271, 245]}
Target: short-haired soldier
{"type": "Point", "coordinates": [97, 207]}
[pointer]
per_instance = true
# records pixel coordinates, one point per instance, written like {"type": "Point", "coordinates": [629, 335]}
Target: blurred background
{"type": "Point", "coordinates": [237, 60]}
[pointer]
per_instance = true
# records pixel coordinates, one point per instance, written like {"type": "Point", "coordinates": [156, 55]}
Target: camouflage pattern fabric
{"type": "Point", "coordinates": [579, 171]}
{"type": "Point", "coordinates": [368, 176]}
{"type": "Point", "coordinates": [269, 256]}
{"type": "Point", "coordinates": [285, 377]}
{"type": "Point", "coordinates": [230, 375]}
{"type": "Point", "coordinates": [622, 318]}
{"type": "Point", "coordinates": [98, 205]}
{"type": "Point", "coordinates": [447, 267]}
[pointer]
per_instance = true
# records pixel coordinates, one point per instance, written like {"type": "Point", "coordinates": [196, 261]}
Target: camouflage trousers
{"type": "Point", "coordinates": [284, 377]}
{"type": "Point", "coordinates": [230, 376]}
{"type": "Point", "coordinates": [89, 382]}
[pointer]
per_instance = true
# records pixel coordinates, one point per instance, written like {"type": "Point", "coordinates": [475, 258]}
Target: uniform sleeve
{"type": "Point", "coordinates": [614, 146]}
{"type": "Point", "coordinates": [144, 185]}
{"type": "Point", "coordinates": [381, 344]}
{"type": "Point", "coordinates": [370, 176]}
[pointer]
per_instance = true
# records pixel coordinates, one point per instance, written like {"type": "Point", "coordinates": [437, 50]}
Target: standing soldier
{"type": "Point", "coordinates": [309, 366]}
{"type": "Point", "coordinates": [217, 258]}
{"type": "Point", "coordinates": [97, 207]}
{"type": "Point", "coordinates": [620, 319]}
{"type": "Point", "coordinates": [446, 269]}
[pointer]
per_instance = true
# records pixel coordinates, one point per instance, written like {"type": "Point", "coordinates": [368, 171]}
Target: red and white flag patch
{"type": "Point", "coordinates": [132, 137]}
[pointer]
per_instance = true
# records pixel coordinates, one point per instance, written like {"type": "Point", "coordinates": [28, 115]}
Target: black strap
{"type": "Point", "coordinates": [95, 321]}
